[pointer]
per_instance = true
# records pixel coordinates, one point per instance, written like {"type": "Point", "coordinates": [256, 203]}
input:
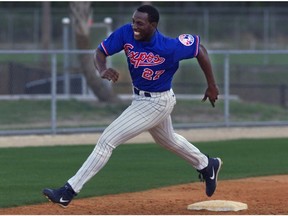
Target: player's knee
{"type": "Point", "coordinates": [106, 142]}
{"type": "Point", "coordinates": [103, 149]}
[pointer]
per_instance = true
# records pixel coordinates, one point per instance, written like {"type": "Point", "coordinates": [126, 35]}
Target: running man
{"type": "Point", "coordinates": [153, 59]}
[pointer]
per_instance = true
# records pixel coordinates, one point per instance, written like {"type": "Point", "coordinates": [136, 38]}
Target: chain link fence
{"type": "Point", "coordinates": [253, 91]}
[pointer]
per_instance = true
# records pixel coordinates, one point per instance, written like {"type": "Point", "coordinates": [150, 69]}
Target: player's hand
{"type": "Point", "coordinates": [211, 93]}
{"type": "Point", "coordinates": [110, 74]}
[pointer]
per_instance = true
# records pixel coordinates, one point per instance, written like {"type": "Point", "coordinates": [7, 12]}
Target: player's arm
{"type": "Point", "coordinates": [205, 64]}
{"type": "Point", "coordinates": [100, 65]}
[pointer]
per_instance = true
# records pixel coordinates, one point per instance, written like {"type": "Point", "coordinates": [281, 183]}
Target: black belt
{"type": "Point", "coordinates": [137, 91]}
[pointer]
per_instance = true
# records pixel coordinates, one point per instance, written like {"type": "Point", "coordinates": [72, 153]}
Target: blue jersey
{"type": "Point", "coordinates": [152, 64]}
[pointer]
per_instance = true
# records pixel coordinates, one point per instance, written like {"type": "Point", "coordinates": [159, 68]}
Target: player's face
{"type": "Point", "coordinates": [142, 28]}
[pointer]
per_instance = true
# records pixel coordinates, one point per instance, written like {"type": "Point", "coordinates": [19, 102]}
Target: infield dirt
{"type": "Point", "coordinates": [264, 196]}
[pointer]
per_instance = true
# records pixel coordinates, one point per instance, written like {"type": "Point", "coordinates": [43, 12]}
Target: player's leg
{"type": "Point", "coordinates": [138, 117]}
{"type": "Point", "coordinates": [209, 168]}
{"type": "Point", "coordinates": [143, 114]}
{"type": "Point", "coordinates": [165, 135]}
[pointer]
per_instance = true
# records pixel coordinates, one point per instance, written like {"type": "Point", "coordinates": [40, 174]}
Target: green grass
{"type": "Point", "coordinates": [239, 111]}
{"type": "Point", "coordinates": [26, 171]}
{"type": "Point", "coordinates": [37, 114]}
{"type": "Point", "coordinates": [24, 110]}
{"type": "Point", "coordinates": [257, 112]}
{"type": "Point", "coordinates": [31, 112]}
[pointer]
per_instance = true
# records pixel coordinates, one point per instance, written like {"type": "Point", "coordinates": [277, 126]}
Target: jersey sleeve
{"type": "Point", "coordinates": [187, 46]}
{"type": "Point", "coordinates": [114, 43]}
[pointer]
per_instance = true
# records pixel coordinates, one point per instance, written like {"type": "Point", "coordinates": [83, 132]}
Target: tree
{"type": "Point", "coordinates": [80, 16]}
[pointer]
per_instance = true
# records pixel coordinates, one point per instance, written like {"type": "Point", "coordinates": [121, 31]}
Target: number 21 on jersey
{"type": "Point", "coordinates": [151, 75]}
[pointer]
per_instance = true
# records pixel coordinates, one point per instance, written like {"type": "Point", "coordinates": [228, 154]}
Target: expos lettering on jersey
{"type": "Point", "coordinates": [144, 59]}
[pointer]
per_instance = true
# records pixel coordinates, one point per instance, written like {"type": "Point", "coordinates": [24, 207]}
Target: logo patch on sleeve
{"type": "Point", "coordinates": [186, 39]}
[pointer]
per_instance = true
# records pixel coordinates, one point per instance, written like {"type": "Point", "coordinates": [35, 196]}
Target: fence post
{"type": "Point", "coordinates": [226, 90]}
{"type": "Point", "coordinates": [66, 74]}
{"type": "Point", "coordinates": [283, 95]}
{"type": "Point", "coordinates": [54, 93]}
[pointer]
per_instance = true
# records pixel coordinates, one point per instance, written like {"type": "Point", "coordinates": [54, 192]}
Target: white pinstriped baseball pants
{"type": "Point", "coordinates": [144, 114]}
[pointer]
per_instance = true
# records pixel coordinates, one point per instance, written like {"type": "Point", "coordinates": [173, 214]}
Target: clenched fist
{"type": "Point", "coordinates": [110, 74]}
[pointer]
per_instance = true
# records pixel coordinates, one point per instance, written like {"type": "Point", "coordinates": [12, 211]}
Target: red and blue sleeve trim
{"type": "Point", "coordinates": [197, 45]}
{"type": "Point", "coordinates": [104, 49]}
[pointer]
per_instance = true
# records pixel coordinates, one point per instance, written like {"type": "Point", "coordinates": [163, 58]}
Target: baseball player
{"type": "Point", "coordinates": [152, 59]}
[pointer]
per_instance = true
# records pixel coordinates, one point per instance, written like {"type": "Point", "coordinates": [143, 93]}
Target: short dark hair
{"type": "Point", "coordinates": [153, 14]}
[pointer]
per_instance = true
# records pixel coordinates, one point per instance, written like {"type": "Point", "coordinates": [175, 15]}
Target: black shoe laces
{"type": "Point", "coordinates": [201, 177]}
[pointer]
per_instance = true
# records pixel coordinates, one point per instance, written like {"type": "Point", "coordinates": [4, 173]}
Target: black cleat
{"type": "Point", "coordinates": [62, 196]}
{"type": "Point", "coordinates": [210, 175]}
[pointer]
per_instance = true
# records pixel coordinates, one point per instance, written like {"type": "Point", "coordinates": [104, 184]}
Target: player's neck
{"type": "Point", "coordinates": [150, 38]}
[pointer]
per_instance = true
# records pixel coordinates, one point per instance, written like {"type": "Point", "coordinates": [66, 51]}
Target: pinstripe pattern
{"type": "Point", "coordinates": [164, 135]}
{"type": "Point", "coordinates": [144, 114]}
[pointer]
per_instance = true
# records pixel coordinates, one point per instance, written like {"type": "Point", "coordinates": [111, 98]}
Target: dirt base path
{"type": "Point", "coordinates": [265, 195]}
